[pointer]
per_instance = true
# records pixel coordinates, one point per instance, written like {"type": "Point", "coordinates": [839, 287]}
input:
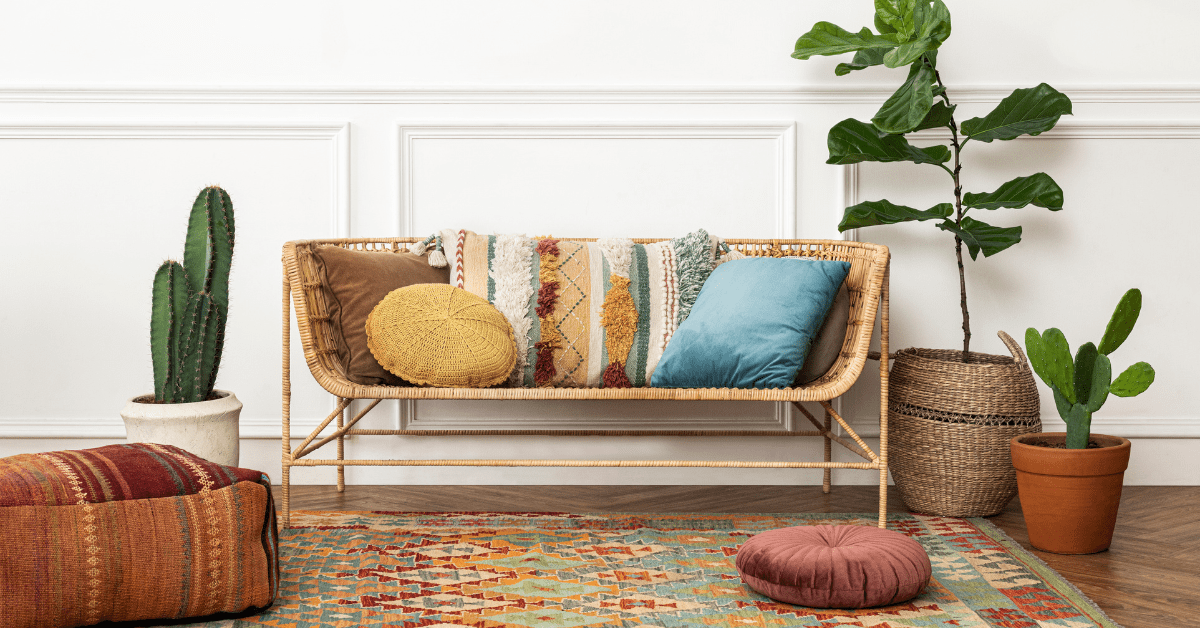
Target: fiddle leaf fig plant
{"type": "Point", "coordinates": [910, 33]}
{"type": "Point", "coordinates": [1082, 386]}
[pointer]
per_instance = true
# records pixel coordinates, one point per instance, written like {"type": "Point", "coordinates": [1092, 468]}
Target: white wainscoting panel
{"type": "Point", "coordinates": [93, 208]}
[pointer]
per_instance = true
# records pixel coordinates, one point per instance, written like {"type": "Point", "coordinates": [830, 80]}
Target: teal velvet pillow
{"type": "Point", "coordinates": [752, 325]}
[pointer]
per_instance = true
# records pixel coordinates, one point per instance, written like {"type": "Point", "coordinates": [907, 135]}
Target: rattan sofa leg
{"type": "Point", "coordinates": [827, 480]}
{"type": "Point", "coordinates": [883, 395]}
{"type": "Point", "coordinates": [341, 452]}
{"type": "Point", "coordinates": [286, 416]}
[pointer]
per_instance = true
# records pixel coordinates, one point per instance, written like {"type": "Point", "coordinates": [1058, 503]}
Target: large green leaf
{"type": "Point", "coordinates": [1134, 381]}
{"type": "Point", "coordinates": [897, 16]}
{"type": "Point", "coordinates": [939, 115]}
{"type": "Point", "coordinates": [862, 59]}
{"type": "Point", "coordinates": [906, 108]}
{"type": "Point", "coordinates": [936, 23]}
{"type": "Point", "coordinates": [884, 212]}
{"type": "Point", "coordinates": [980, 236]}
{"type": "Point", "coordinates": [830, 39]}
{"type": "Point", "coordinates": [1038, 189]}
{"type": "Point", "coordinates": [1122, 321]}
{"type": "Point", "coordinates": [1024, 112]}
{"type": "Point", "coordinates": [852, 141]}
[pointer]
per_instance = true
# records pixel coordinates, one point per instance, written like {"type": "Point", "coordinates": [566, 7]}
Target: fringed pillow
{"type": "Point", "coordinates": [587, 314]}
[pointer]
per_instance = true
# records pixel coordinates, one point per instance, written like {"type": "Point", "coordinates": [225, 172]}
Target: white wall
{"type": "Point", "coordinates": [589, 119]}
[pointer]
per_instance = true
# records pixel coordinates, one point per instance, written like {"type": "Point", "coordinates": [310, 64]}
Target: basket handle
{"type": "Point", "coordinates": [1014, 348]}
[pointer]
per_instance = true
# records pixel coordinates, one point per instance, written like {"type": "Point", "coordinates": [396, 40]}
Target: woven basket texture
{"type": "Point", "coordinates": [951, 423]}
{"type": "Point", "coordinates": [440, 335]}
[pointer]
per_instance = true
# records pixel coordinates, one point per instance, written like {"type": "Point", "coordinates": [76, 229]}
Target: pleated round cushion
{"type": "Point", "coordinates": [846, 566]}
{"type": "Point", "coordinates": [440, 335]}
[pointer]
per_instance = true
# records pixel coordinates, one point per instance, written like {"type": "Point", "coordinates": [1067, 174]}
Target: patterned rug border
{"type": "Point", "coordinates": [1030, 560]}
{"type": "Point", "coordinates": [1046, 572]}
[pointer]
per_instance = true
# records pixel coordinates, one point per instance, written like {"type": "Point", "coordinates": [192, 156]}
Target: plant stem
{"type": "Point", "coordinates": [958, 216]}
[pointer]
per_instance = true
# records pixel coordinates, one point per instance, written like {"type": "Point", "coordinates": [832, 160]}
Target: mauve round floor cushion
{"type": "Point", "coordinates": [845, 566]}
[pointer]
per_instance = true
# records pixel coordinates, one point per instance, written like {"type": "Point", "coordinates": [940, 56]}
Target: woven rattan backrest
{"type": "Point", "coordinates": [868, 263]}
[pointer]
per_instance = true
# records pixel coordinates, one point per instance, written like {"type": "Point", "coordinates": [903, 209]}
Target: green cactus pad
{"type": "Point", "coordinates": [1134, 381]}
{"type": "Point", "coordinates": [1079, 426]}
{"type": "Point", "coordinates": [1101, 376]}
{"type": "Point", "coordinates": [1050, 356]}
{"type": "Point", "coordinates": [1122, 321]}
{"type": "Point", "coordinates": [1085, 362]}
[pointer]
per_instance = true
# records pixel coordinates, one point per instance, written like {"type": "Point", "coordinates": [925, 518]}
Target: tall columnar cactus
{"type": "Point", "coordinates": [1082, 386]}
{"type": "Point", "coordinates": [191, 303]}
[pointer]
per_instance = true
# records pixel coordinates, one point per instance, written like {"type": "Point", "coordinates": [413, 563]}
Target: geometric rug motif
{"type": "Point", "coordinates": [487, 570]}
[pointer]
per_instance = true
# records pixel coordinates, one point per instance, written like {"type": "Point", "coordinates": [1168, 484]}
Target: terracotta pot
{"type": "Point", "coordinates": [1070, 497]}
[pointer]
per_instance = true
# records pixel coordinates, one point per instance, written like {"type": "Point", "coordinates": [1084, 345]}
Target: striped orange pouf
{"type": "Point", "coordinates": [132, 532]}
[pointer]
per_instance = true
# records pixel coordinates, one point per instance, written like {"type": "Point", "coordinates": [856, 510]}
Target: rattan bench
{"type": "Point", "coordinates": [867, 284]}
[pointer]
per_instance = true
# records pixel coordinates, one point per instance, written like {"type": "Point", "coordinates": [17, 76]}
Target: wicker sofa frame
{"type": "Point", "coordinates": [867, 284]}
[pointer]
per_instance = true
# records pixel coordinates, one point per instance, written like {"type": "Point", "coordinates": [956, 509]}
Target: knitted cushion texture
{"type": "Point", "coordinates": [353, 282]}
{"type": "Point", "coordinates": [132, 532]}
{"type": "Point", "coordinates": [845, 566]}
{"type": "Point", "coordinates": [752, 325]}
{"type": "Point", "coordinates": [440, 335]}
{"type": "Point", "coordinates": [585, 314]}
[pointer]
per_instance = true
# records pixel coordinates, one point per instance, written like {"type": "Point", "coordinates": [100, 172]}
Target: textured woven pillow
{"type": "Point", "coordinates": [586, 314]}
{"type": "Point", "coordinates": [752, 325]}
{"type": "Point", "coordinates": [440, 335]}
{"type": "Point", "coordinates": [353, 282]}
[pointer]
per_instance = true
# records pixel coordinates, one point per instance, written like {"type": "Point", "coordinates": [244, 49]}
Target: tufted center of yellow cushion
{"type": "Point", "coordinates": [440, 335]}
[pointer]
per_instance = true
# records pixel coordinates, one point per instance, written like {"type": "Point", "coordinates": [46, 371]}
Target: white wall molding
{"type": "Point", "coordinates": [337, 133]}
{"type": "Point", "coordinates": [567, 94]}
{"type": "Point", "coordinates": [782, 133]}
{"type": "Point", "coordinates": [1070, 128]}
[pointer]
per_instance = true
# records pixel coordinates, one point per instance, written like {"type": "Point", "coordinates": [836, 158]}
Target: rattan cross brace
{"type": "Point", "coordinates": [867, 283]}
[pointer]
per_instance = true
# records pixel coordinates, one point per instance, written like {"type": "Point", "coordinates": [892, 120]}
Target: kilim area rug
{"type": "Point", "coordinates": [485, 570]}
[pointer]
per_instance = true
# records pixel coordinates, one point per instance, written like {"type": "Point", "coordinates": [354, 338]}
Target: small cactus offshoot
{"type": "Point", "coordinates": [191, 302]}
{"type": "Point", "coordinates": [1081, 386]}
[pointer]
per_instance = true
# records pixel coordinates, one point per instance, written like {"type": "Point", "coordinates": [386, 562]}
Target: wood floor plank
{"type": "Point", "coordinates": [1149, 578]}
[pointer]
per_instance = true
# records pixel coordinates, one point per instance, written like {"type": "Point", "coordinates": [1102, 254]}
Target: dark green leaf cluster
{"type": "Point", "coordinates": [910, 32]}
{"type": "Point", "coordinates": [1081, 386]}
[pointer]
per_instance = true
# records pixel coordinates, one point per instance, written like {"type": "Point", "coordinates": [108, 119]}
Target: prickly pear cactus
{"type": "Point", "coordinates": [191, 302]}
{"type": "Point", "coordinates": [1081, 386]}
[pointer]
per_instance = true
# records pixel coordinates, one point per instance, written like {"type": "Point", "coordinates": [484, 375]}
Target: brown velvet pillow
{"type": "Point", "coordinates": [354, 282]}
{"type": "Point", "coordinates": [828, 343]}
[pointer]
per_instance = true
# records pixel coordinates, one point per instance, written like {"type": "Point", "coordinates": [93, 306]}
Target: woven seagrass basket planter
{"type": "Point", "coordinates": [950, 423]}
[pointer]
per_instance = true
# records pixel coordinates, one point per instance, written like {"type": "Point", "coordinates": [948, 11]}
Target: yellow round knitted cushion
{"type": "Point", "coordinates": [439, 335]}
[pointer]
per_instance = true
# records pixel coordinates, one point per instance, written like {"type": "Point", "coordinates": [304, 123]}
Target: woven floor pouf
{"type": "Point", "coordinates": [132, 532]}
{"type": "Point", "coordinates": [834, 566]}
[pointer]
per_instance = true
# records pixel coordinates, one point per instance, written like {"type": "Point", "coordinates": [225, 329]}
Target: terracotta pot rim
{"type": "Point", "coordinates": [1019, 441]}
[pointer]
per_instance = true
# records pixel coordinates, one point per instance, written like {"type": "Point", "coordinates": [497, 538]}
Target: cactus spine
{"type": "Point", "coordinates": [191, 303]}
{"type": "Point", "coordinates": [1082, 386]}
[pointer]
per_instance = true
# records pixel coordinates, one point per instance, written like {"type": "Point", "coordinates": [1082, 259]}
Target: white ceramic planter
{"type": "Point", "coordinates": [208, 429]}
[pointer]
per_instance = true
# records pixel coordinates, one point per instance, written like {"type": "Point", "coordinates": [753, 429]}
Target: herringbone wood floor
{"type": "Point", "coordinates": [1149, 578]}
